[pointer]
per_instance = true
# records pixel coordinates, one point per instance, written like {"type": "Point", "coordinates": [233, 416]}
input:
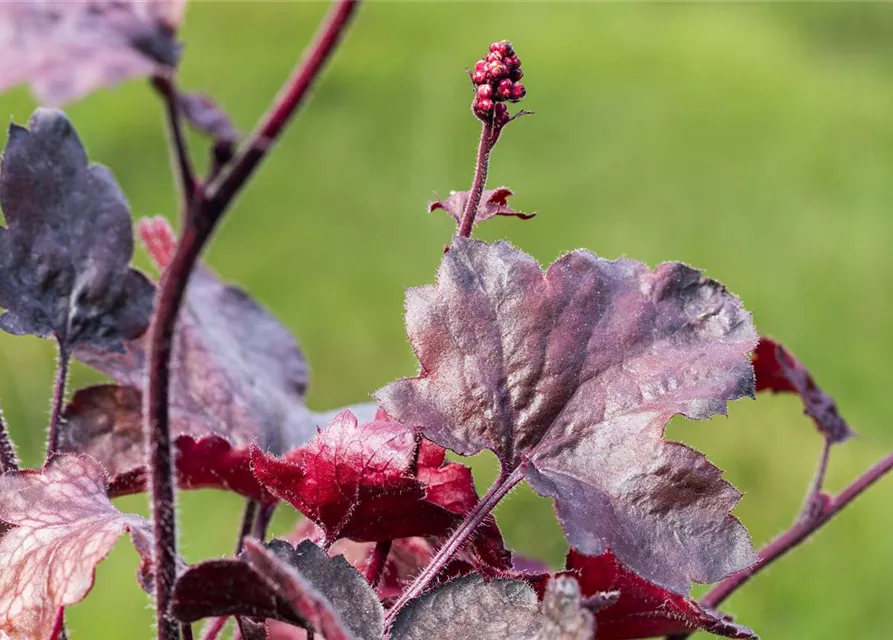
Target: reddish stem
{"type": "Point", "coordinates": [186, 631]}
{"type": "Point", "coordinates": [262, 521]}
{"type": "Point", "coordinates": [378, 560]}
{"type": "Point", "coordinates": [214, 628]}
{"type": "Point", "coordinates": [248, 517]}
{"type": "Point", "coordinates": [58, 631]}
{"type": "Point", "coordinates": [812, 505]}
{"type": "Point", "coordinates": [58, 399]}
{"type": "Point", "coordinates": [9, 460]}
{"type": "Point", "coordinates": [224, 189]}
{"type": "Point", "coordinates": [489, 136]}
{"type": "Point", "coordinates": [167, 89]}
{"type": "Point", "coordinates": [793, 537]}
{"type": "Point", "coordinates": [504, 483]}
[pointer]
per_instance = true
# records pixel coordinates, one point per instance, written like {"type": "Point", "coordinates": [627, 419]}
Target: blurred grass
{"type": "Point", "coordinates": [753, 141]}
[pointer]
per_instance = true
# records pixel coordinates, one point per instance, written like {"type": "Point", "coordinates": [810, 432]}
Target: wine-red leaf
{"type": "Point", "coordinates": [296, 585]}
{"type": "Point", "coordinates": [65, 49]}
{"type": "Point", "coordinates": [494, 202]}
{"type": "Point", "coordinates": [470, 609]}
{"type": "Point", "coordinates": [63, 526]}
{"type": "Point", "coordinates": [236, 371]}
{"type": "Point", "coordinates": [376, 481]}
{"type": "Point", "coordinates": [64, 255]}
{"type": "Point", "coordinates": [571, 377]}
{"type": "Point", "coordinates": [106, 422]}
{"type": "Point", "coordinates": [643, 609]}
{"type": "Point", "coordinates": [778, 370]}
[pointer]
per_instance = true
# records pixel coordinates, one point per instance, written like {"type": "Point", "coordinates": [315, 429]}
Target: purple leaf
{"type": "Point", "coordinates": [65, 253]}
{"type": "Point", "coordinates": [779, 371]}
{"type": "Point", "coordinates": [64, 49]}
{"type": "Point", "coordinates": [571, 377]}
{"type": "Point", "coordinates": [470, 609]}
{"type": "Point", "coordinates": [63, 526]}
{"type": "Point", "coordinates": [207, 117]}
{"type": "Point", "coordinates": [494, 202]}
{"type": "Point", "coordinates": [236, 371]}
{"type": "Point", "coordinates": [300, 586]}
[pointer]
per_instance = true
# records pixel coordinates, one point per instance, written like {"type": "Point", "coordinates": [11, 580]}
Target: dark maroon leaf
{"type": "Point", "coordinates": [376, 481]}
{"type": "Point", "coordinates": [494, 202]}
{"type": "Point", "coordinates": [643, 609]}
{"type": "Point", "coordinates": [470, 609]}
{"type": "Point", "coordinates": [207, 117]}
{"type": "Point", "coordinates": [64, 49]}
{"type": "Point", "coordinates": [64, 525]}
{"type": "Point", "coordinates": [571, 378]}
{"type": "Point", "coordinates": [300, 586]}
{"type": "Point", "coordinates": [779, 371]}
{"type": "Point", "coordinates": [237, 373]}
{"type": "Point", "coordinates": [106, 422]}
{"type": "Point", "coordinates": [64, 255]}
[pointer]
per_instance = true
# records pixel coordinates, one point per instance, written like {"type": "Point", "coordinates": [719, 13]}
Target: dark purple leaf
{"type": "Point", "coordinates": [779, 371]}
{"type": "Point", "coordinates": [106, 422]}
{"type": "Point", "coordinates": [470, 609]}
{"type": "Point", "coordinates": [65, 253]}
{"type": "Point", "coordinates": [377, 481]}
{"type": "Point", "coordinates": [207, 117]}
{"type": "Point", "coordinates": [494, 202]}
{"type": "Point", "coordinates": [63, 526]}
{"type": "Point", "coordinates": [571, 377]}
{"type": "Point", "coordinates": [643, 609]}
{"type": "Point", "coordinates": [237, 373]}
{"type": "Point", "coordinates": [64, 49]}
{"type": "Point", "coordinates": [300, 586]}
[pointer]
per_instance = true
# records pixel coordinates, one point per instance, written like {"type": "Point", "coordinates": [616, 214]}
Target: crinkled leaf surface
{"type": "Point", "coordinates": [570, 377]}
{"type": "Point", "coordinates": [778, 370]}
{"type": "Point", "coordinates": [296, 585]}
{"type": "Point", "coordinates": [494, 202]}
{"type": "Point", "coordinates": [236, 371]}
{"type": "Point", "coordinates": [64, 525]}
{"type": "Point", "coordinates": [470, 609]}
{"type": "Point", "coordinates": [65, 253]}
{"type": "Point", "coordinates": [643, 609]}
{"type": "Point", "coordinates": [106, 422]}
{"type": "Point", "coordinates": [376, 481]}
{"type": "Point", "coordinates": [65, 49]}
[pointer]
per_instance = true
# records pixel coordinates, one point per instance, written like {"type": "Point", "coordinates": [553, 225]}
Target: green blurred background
{"type": "Point", "coordinates": [753, 141]}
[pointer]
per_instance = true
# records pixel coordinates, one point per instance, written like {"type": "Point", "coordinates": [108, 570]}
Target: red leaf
{"type": "Point", "coordinates": [64, 525]}
{"type": "Point", "coordinates": [570, 378]}
{"type": "Point", "coordinates": [376, 481]}
{"type": "Point", "coordinates": [64, 49]}
{"type": "Point", "coordinates": [779, 371]}
{"type": "Point", "coordinates": [494, 202]}
{"type": "Point", "coordinates": [644, 609]}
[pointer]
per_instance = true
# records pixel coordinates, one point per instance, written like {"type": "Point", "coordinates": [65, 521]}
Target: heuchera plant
{"type": "Point", "coordinates": [567, 374]}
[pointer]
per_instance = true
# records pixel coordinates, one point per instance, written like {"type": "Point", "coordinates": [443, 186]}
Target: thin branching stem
{"type": "Point", "coordinates": [795, 535]}
{"type": "Point", "coordinates": [9, 459]}
{"type": "Point", "coordinates": [167, 89]}
{"type": "Point", "coordinates": [186, 631]}
{"type": "Point", "coordinates": [489, 136]}
{"type": "Point", "coordinates": [203, 212]}
{"type": "Point", "coordinates": [262, 521]}
{"type": "Point", "coordinates": [214, 628]}
{"type": "Point", "coordinates": [377, 562]}
{"type": "Point", "coordinates": [58, 398]}
{"type": "Point", "coordinates": [812, 504]}
{"type": "Point", "coordinates": [503, 485]}
{"type": "Point", "coordinates": [248, 517]}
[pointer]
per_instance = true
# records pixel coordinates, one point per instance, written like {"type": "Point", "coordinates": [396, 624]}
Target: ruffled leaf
{"type": "Point", "coordinates": [494, 202]}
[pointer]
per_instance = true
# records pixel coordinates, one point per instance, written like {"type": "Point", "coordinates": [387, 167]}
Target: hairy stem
{"type": "Point", "coordinates": [180, 159]}
{"type": "Point", "coordinates": [9, 460]}
{"type": "Point", "coordinates": [793, 537]}
{"type": "Point", "coordinates": [214, 628]}
{"type": "Point", "coordinates": [504, 483]}
{"type": "Point", "coordinates": [58, 399]}
{"type": "Point", "coordinates": [293, 94]}
{"type": "Point", "coordinates": [812, 505]}
{"type": "Point", "coordinates": [375, 566]}
{"type": "Point", "coordinates": [489, 136]}
{"type": "Point", "coordinates": [248, 517]}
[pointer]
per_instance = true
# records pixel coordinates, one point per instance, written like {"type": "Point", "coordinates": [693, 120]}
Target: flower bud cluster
{"type": "Point", "coordinates": [496, 79]}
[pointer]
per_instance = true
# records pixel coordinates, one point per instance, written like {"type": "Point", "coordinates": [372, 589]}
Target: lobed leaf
{"type": "Point", "coordinates": [494, 202]}
{"type": "Point", "coordinates": [65, 253]}
{"type": "Point", "coordinates": [376, 481]}
{"type": "Point", "coordinates": [643, 609]}
{"type": "Point", "coordinates": [570, 377]}
{"type": "Point", "coordinates": [63, 527]}
{"type": "Point", "coordinates": [470, 609]}
{"type": "Point", "coordinates": [300, 586]}
{"type": "Point", "coordinates": [65, 49]}
{"type": "Point", "coordinates": [779, 371]}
